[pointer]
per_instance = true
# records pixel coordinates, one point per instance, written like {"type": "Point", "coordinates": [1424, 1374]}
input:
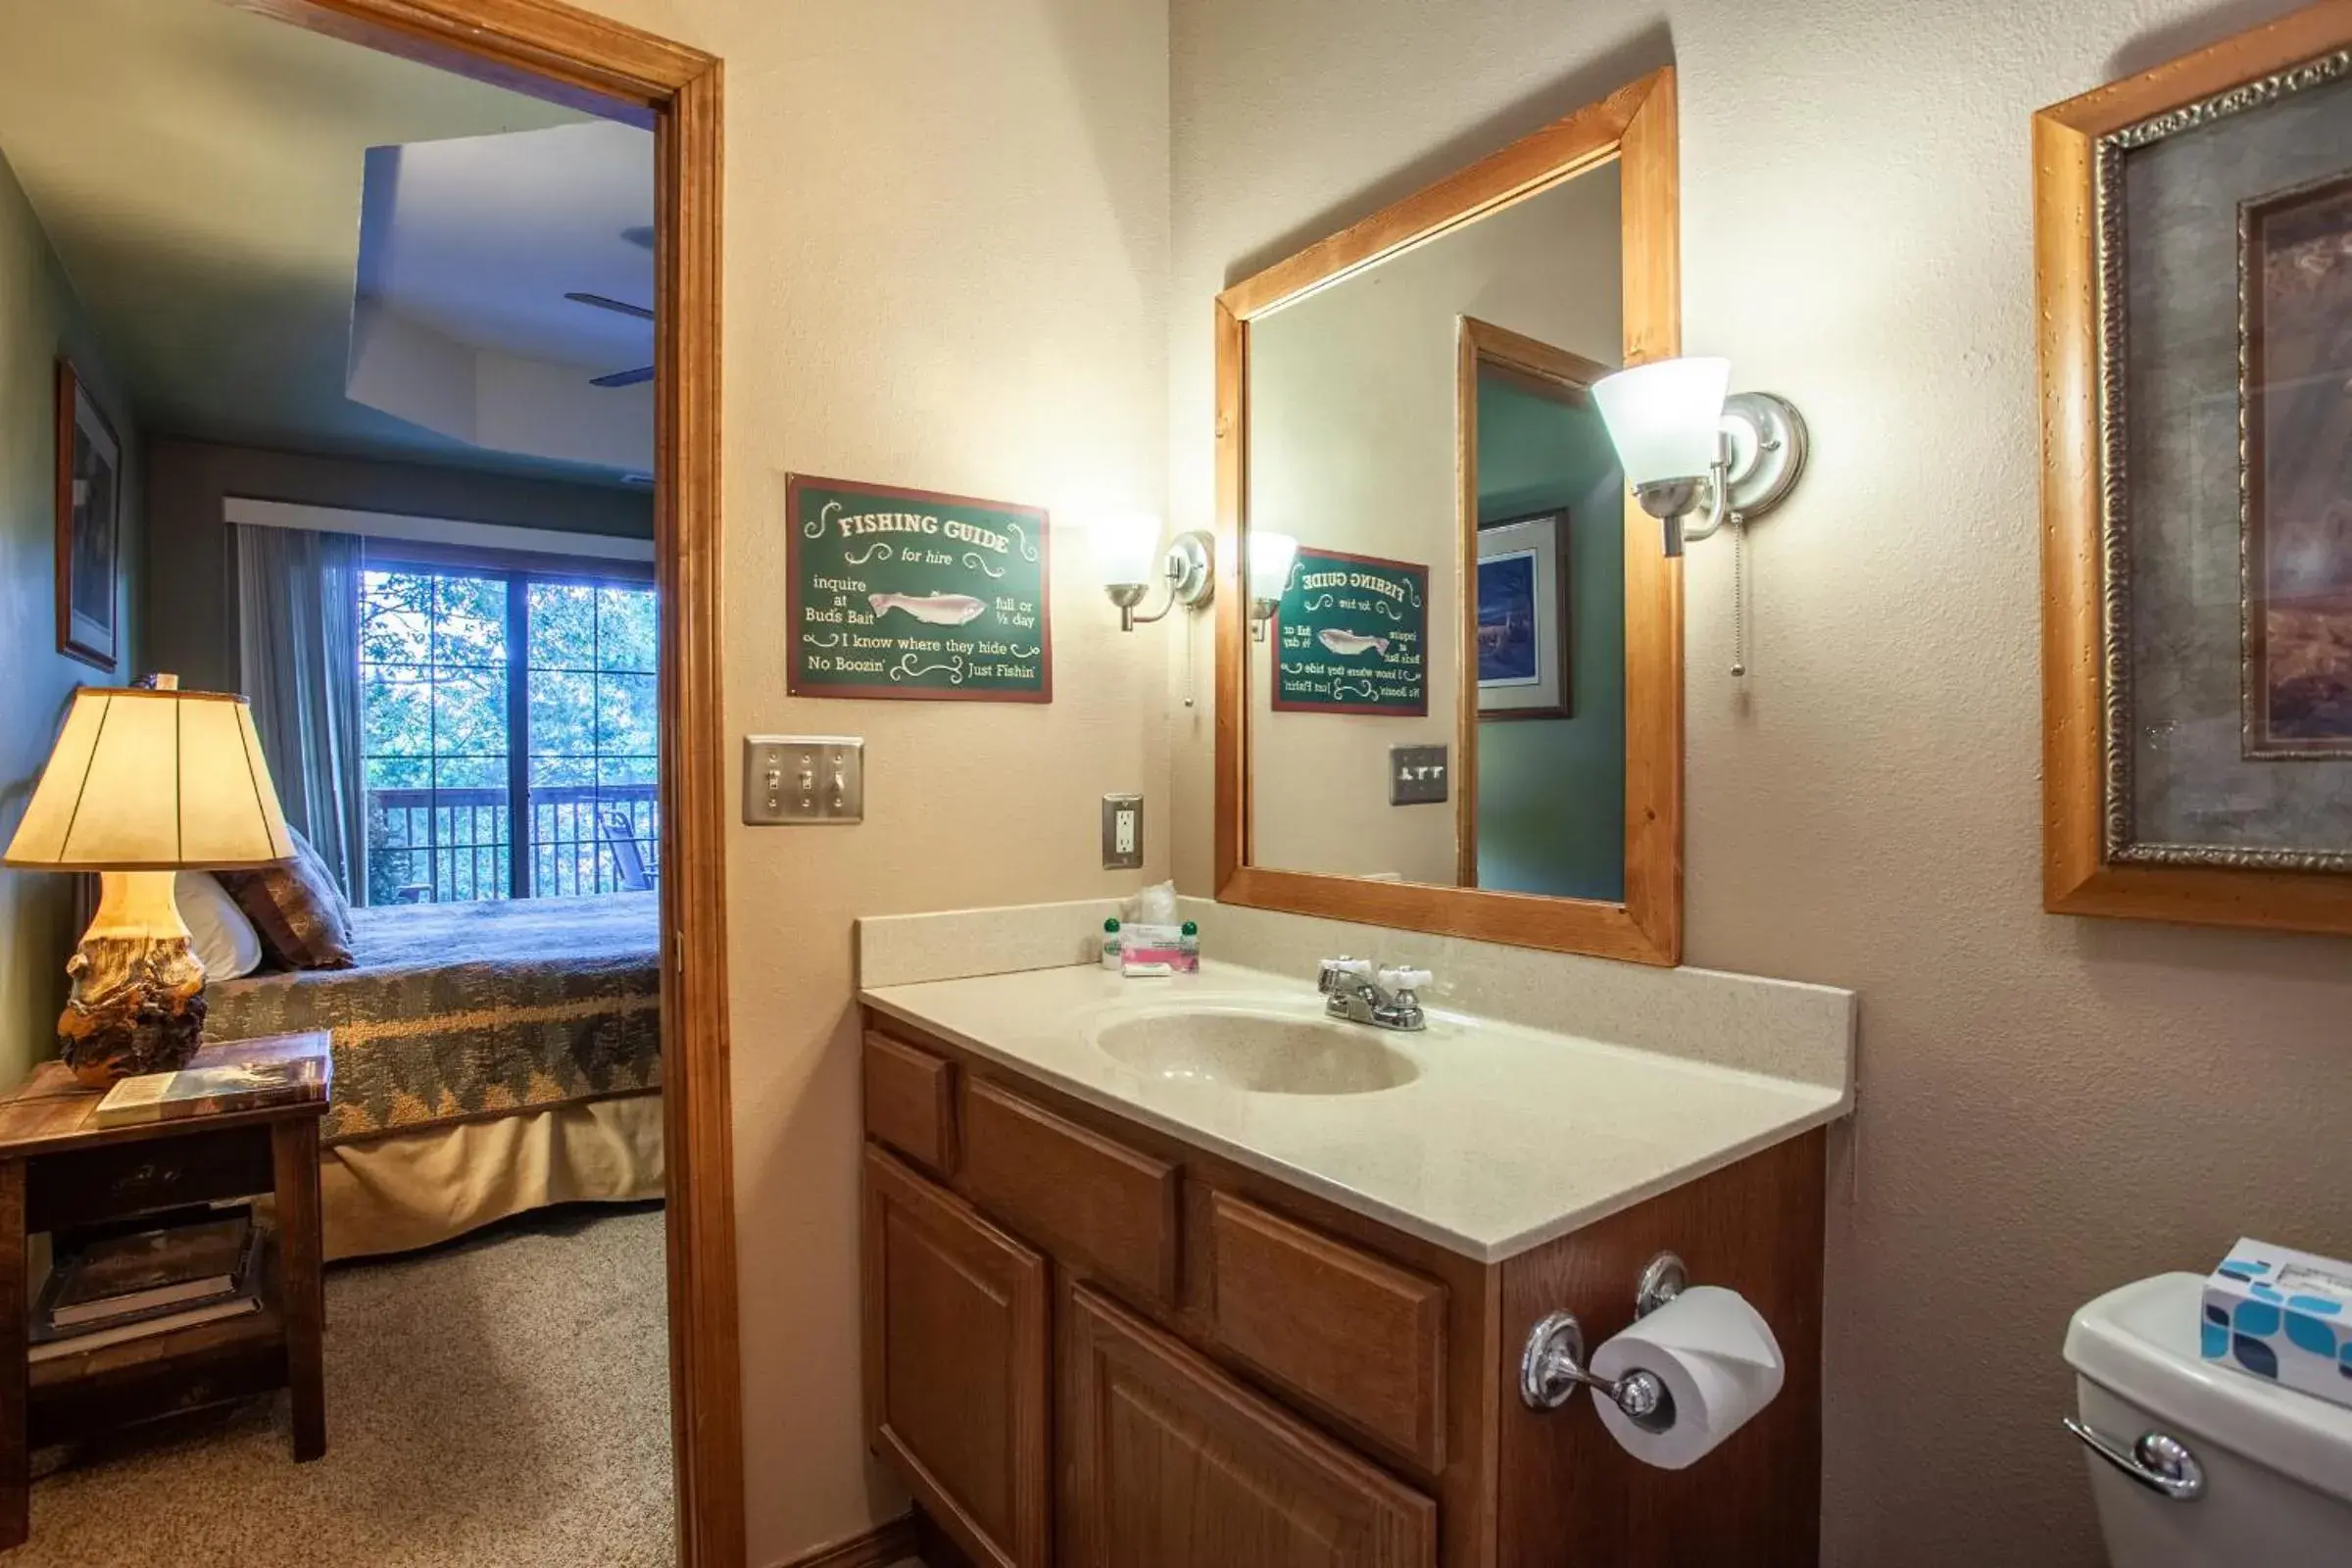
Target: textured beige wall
{"type": "Point", "coordinates": [2049, 1106]}
{"type": "Point", "coordinates": [946, 267]}
{"type": "Point", "coordinates": [1352, 395]}
{"type": "Point", "coordinates": [40, 320]}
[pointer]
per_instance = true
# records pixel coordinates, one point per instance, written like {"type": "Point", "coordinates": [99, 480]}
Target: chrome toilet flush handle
{"type": "Point", "coordinates": [2158, 1461]}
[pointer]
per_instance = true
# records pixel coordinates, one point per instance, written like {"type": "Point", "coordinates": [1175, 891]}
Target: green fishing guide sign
{"type": "Point", "coordinates": [899, 593]}
{"type": "Point", "coordinates": [1352, 635]}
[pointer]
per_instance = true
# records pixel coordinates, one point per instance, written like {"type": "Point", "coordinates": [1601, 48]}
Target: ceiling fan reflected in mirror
{"type": "Point", "coordinates": [605, 302]}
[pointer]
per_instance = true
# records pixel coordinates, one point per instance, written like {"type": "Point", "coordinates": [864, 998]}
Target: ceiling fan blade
{"type": "Point", "coordinates": [643, 372]}
{"type": "Point", "coordinates": [605, 302]}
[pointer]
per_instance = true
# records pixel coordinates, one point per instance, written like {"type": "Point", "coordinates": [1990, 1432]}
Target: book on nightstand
{"type": "Point", "coordinates": [238, 1076]}
{"type": "Point", "coordinates": [131, 1284]}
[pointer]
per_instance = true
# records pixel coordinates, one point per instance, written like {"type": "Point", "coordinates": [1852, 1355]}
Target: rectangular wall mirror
{"type": "Point", "coordinates": [1450, 689]}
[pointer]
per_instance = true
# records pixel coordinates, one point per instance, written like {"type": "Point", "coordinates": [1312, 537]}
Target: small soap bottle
{"type": "Point", "coordinates": [1188, 943]}
{"type": "Point", "coordinates": [1111, 946]}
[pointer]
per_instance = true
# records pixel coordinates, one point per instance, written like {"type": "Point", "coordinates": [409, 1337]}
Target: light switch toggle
{"type": "Point", "coordinates": [838, 761]}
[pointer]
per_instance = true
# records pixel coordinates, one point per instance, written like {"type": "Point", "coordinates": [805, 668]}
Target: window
{"type": "Point", "coordinates": [503, 697]}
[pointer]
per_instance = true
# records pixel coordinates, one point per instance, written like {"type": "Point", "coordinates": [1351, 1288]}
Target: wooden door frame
{"type": "Point", "coordinates": [555, 52]}
{"type": "Point", "coordinates": [1635, 125]}
{"type": "Point", "coordinates": [1550, 372]}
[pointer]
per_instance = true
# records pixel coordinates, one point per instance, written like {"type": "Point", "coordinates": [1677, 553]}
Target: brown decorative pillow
{"type": "Point", "coordinates": [299, 911]}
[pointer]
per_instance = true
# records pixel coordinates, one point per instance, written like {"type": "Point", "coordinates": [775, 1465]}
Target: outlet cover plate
{"type": "Point", "coordinates": [1122, 832]}
{"type": "Point", "coordinates": [804, 779]}
{"type": "Point", "coordinates": [1417, 776]}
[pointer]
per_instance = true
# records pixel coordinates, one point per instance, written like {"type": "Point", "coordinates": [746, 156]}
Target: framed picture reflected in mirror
{"type": "Point", "coordinates": [1523, 631]}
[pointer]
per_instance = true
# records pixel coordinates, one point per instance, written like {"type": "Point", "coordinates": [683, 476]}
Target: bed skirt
{"type": "Point", "coordinates": [402, 1191]}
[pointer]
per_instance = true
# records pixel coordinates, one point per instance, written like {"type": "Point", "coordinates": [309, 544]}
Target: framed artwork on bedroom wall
{"type": "Point", "coordinates": [89, 504]}
{"type": "Point", "coordinates": [2193, 239]}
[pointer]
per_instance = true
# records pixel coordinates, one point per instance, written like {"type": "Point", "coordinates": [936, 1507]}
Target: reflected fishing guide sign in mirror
{"type": "Point", "coordinates": [899, 593]}
{"type": "Point", "coordinates": [1352, 635]}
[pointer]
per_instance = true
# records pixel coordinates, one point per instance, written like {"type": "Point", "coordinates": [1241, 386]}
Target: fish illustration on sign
{"type": "Point", "coordinates": [933, 610]}
{"type": "Point", "coordinates": [1349, 642]}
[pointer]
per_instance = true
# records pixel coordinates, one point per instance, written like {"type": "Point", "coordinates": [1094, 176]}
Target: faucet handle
{"type": "Point", "coordinates": [1403, 979]}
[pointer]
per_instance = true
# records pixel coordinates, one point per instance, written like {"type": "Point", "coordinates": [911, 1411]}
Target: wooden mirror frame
{"type": "Point", "coordinates": [1636, 127]}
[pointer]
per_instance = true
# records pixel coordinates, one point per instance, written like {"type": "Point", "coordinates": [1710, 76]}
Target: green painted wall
{"type": "Point", "coordinates": [1552, 791]}
{"type": "Point", "coordinates": [40, 320]}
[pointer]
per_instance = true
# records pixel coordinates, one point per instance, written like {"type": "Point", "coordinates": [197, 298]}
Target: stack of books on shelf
{"type": "Point", "coordinates": [148, 1277]}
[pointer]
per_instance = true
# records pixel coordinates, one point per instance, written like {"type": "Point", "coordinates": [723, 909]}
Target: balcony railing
{"type": "Point", "coordinates": [440, 845]}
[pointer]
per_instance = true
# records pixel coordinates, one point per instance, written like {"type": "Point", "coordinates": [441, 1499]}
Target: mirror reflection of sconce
{"type": "Point", "coordinates": [1696, 458]}
{"type": "Point", "coordinates": [1125, 549]}
{"type": "Point", "coordinates": [1270, 557]}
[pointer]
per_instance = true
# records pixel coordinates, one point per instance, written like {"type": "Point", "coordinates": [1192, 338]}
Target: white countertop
{"type": "Point", "coordinates": [1509, 1137]}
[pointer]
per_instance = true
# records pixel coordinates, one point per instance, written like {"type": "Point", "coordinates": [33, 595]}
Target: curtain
{"type": "Point", "coordinates": [298, 647]}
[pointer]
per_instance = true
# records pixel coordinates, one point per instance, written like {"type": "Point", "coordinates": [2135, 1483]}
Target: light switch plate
{"type": "Point", "coordinates": [1417, 776]}
{"type": "Point", "coordinates": [803, 778]}
{"type": "Point", "coordinates": [1122, 832]}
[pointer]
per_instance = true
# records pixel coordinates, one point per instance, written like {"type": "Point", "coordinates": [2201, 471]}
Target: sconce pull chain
{"type": "Point", "coordinates": [1738, 597]}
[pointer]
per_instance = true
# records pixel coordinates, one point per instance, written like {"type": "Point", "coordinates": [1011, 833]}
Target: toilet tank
{"type": "Point", "coordinates": [2277, 1465]}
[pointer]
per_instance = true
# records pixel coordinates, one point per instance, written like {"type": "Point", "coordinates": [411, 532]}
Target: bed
{"type": "Point", "coordinates": [490, 1057]}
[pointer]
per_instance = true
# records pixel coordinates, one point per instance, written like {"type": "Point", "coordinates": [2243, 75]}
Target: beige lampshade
{"type": "Point", "coordinates": [153, 781]}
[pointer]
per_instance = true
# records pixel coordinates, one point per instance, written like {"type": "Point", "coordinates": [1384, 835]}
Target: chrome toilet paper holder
{"type": "Point", "coordinates": [1553, 1367]}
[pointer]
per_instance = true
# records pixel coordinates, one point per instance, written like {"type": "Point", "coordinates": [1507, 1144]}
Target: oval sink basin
{"type": "Point", "coordinates": [1261, 1053]}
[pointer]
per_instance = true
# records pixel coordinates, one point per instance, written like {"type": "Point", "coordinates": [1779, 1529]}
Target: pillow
{"type": "Point", "coordinates": [301, 914]}
{"type": "Point", "coordinates": [226, 944]}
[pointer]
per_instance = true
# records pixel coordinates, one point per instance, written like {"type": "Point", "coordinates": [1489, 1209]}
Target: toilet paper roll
{"type": "Point", "coordinates": [1717, 1357]}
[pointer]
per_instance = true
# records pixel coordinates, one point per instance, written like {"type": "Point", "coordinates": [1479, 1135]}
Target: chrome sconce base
{"type": "Point", "coordinates": [1760, 454]}
{"type": "Point", "coordinates": [1189, 572]}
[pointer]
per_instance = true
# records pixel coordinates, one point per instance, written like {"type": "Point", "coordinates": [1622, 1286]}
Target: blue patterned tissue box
{"type": "Point", "coordinates": [2283, 1315]}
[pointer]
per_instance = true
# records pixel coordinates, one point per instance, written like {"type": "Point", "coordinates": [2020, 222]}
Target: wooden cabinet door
{"type": "Point", "coordinates": [1169, 1463]}
{"type": "Point", "coordinates": [956, 1323]}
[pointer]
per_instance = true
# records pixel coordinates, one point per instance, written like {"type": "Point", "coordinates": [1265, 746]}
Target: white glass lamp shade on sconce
{"type": "Point", "coordinates": [1126, 549]}
{"type": "Point", "coordinates": [1664, 418]}
{"type": "Point", "coordinates": [1129, 560]}
{"type": "Point", "coordinates": [1696, 454]}
{"type": "Point", "coordinates": [1271, 558]}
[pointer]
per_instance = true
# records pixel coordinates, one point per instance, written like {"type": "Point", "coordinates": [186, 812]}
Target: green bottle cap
{"type": "Point", "coordinates": [1111, 925]}
{"type": "Point", "coordinates": [1192, 928]}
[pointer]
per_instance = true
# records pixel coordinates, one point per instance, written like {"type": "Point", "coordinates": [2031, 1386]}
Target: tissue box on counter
{"type": "Point", "coordinates": [2283, 1315]}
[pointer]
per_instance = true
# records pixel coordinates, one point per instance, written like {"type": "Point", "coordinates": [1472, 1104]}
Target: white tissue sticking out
{"type": "Point", "coordinates": [1718, 1361]}
{"type": "Point", "coordinates": [1155, 904]}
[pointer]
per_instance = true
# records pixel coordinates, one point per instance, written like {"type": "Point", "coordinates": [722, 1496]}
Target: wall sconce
{"type": "Point", "coordinates": [1270, 557]}
{"type": "Point", "coordinates": [1687, 447]}
{"type": "Point", "coordinates": [1125, 548]}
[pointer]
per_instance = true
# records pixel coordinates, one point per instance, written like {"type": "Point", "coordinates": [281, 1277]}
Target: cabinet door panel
{"type": "Point", "coordinates": [956, 1321]}
{"type": "Point", "coordinates": [1171, 1464]}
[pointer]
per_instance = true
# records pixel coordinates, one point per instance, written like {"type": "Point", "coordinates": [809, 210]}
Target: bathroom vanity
{"type": "Point", "coordinates": [1183, 1273]}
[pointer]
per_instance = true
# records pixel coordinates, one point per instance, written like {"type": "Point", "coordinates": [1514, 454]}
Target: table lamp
{"type": "Point", "coordinates": [141, 785]}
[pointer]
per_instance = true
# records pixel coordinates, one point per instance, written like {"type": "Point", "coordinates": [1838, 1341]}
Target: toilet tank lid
{"type": "Point", "coordinates": [2139, 1343]}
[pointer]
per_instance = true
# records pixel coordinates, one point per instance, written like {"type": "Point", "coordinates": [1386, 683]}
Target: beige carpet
{"type": "Point", "coordinates": [500, 1402]}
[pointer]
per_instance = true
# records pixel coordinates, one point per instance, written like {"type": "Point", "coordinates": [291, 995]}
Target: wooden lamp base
{"type": "Point", "coordinates": [137, 1004]}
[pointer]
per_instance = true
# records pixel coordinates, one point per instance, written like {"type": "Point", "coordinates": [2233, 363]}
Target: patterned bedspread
{"type": "Point", "coordinates": [463, 1010]}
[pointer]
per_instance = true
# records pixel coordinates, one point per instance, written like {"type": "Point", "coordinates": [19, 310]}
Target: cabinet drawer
{"type": "Point", "coordinates": [911, 1102]}
{"type": "Point", "coordinates": [1170, 1462]}
{"type": "Point", "coordinates": [113, 1180]}
{"type": "Point", "coordinates": [1110, 1208]}
{"type": "Point", "coordinates": [1359, 1336]}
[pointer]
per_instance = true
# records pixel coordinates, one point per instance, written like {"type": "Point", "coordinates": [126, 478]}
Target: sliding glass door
{"type": "Point", "coordinates": [511, 731]}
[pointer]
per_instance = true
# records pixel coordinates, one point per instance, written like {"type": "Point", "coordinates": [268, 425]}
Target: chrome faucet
{"type": "Point", "coordinates": [1353, 992]}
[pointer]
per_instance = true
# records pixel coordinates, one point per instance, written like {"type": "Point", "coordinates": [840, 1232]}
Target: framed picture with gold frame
{"type": "Point", "coordinates": [2193, 259]}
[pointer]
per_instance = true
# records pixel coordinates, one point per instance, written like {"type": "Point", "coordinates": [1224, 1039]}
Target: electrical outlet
{"type": "Point", "coordinates": [1122, 832]}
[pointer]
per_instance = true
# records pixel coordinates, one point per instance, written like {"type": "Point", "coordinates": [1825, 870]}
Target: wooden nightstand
{"type": "Point", "coordinates": [59, 1168]}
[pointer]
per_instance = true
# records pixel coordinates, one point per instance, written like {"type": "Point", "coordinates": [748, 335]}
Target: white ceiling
{"type": "Point", "coordinates": [199, 170]}
{"type": "Point", "coordinates": [481, 237]}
